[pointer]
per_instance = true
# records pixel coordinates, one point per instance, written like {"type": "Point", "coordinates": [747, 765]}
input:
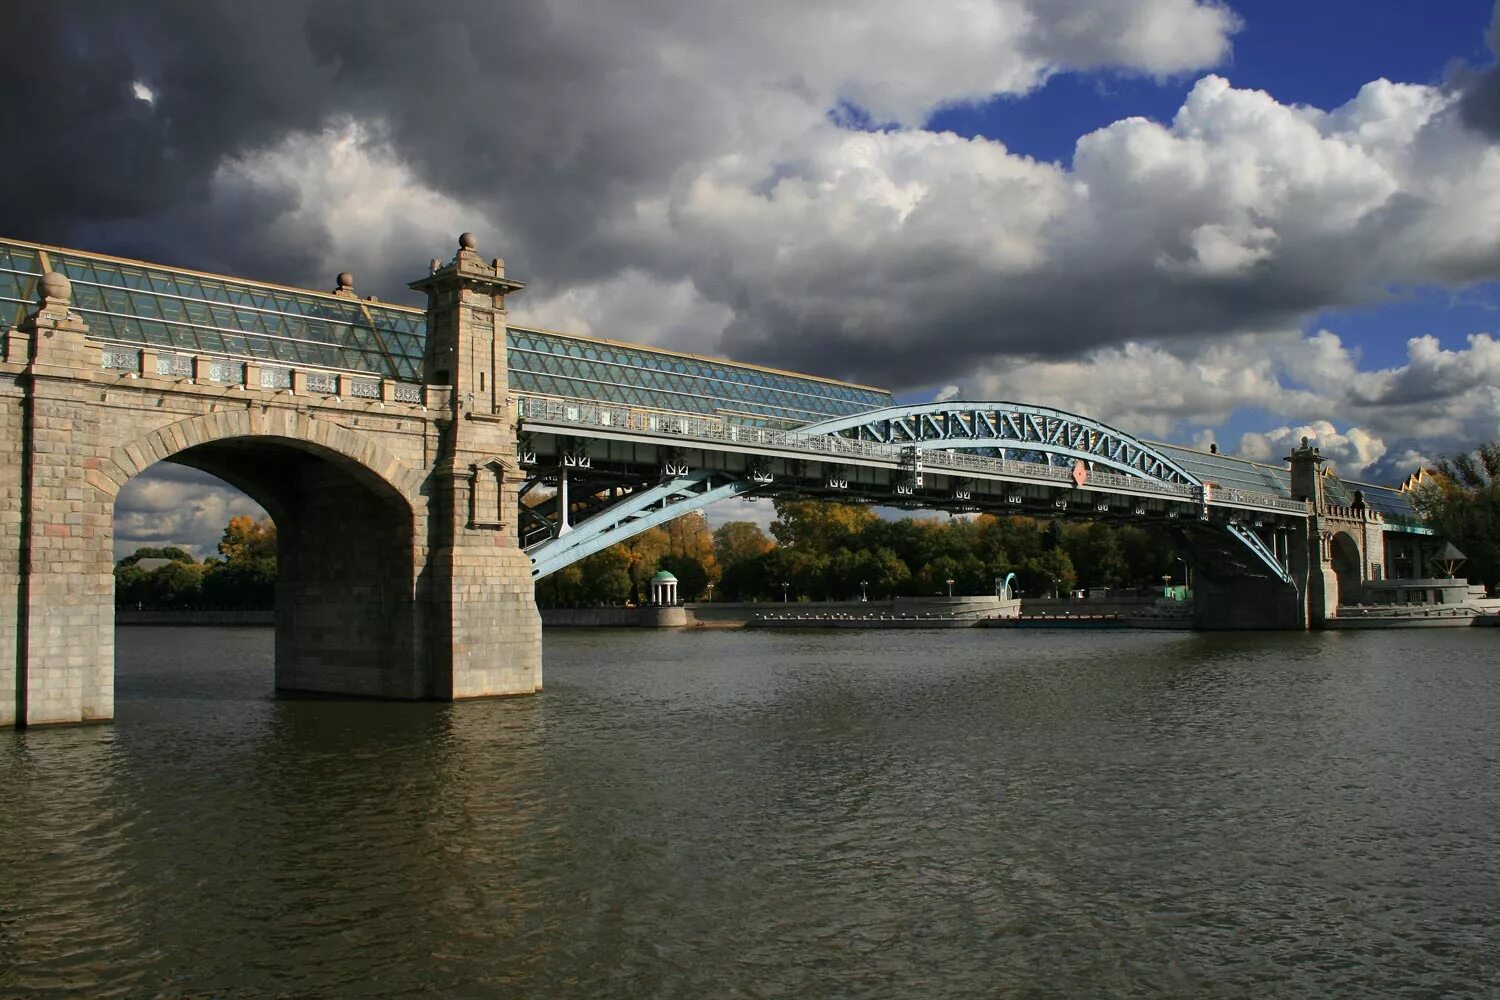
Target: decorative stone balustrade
{"type": "Point", "coordinates": [237, 373]}
{"type": "Point", "coordinates": [1352, 513]}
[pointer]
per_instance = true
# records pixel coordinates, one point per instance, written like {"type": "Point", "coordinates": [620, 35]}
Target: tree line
{"type": "Point", "coordinates": [832, 551]}
{"type": "Point", "coordinates": [242, 577]}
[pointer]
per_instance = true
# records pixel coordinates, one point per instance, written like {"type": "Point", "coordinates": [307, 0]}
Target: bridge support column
{"type": "Point", "coordinates": [485, 633]}
{"type": "Point", "coordinates": [56, 629]}
{"type": "Point", "coordinates": [1311, 561]}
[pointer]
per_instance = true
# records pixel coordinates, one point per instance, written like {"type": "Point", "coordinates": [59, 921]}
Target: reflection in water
{"type": "Point", "coordinates": [709, 814]}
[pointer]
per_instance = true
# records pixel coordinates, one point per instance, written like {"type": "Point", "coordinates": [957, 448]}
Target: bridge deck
{"type": "Point", "coordinates": [197, 313]}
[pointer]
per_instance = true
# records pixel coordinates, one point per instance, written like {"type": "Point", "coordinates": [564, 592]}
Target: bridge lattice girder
{"type": "Point", "coordinates": [1053, 434]}
{"type": "Point", "coordinates": [1014, 426]}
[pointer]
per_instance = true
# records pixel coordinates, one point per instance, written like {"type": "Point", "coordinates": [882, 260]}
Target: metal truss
{"type": "Point", "coordinates": [1013, 426]}
{"type": "Point", "coordinates": [1253, 542]}
{"type": "Point", "coordinates": [543, 520]}
{"type": "Point", "coordinates": [640, 510]}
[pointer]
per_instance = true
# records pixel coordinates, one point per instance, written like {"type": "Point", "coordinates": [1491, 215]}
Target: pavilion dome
{"type": "Point", "coordinates": [663, 576]}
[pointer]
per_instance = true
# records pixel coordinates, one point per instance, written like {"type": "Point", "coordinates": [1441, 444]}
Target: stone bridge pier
{"type": "Point", "coordinates": [1344, 544]}
{"type": "Point", "coordinates": [399, 575]}
{"type": "Point", "coordinates": [1329, 557]}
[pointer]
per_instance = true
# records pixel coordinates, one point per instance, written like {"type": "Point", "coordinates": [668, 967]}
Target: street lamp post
{"type": "Point", "coordinates": [863, 593]}
{"type": "Point", "coordinates": [1187, 580]}
{"type": "Point", "coordinates": [710, 593]}
{"type": "Point", "coordinates": [950, 586]}
{"type": "Point", "coordinates": [784, 586]}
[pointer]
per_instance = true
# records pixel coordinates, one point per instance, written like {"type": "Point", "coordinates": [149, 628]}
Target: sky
{"type": "Point", "coordinates": [1225, 222]}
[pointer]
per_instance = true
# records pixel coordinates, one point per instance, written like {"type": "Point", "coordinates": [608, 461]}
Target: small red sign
{"type": "Point", "coordinates": [1080, 473]}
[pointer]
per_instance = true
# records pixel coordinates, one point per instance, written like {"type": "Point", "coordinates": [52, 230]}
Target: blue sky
{"type": "Point", "coordinates": [1317, 53]}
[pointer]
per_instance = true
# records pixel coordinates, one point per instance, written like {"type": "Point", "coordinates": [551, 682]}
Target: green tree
{"type": "Point", "coordinates": [748, 579]}
{"type": "Point", "coordinates": [819, 526]}
{"type": "Point", "coordinates": [933, 578]}
{"type": "Point", "coordinates": [1096, 554]}
{"type": "Point", "coordinates": [736, 541]}
{"type": "Point", "coordinates": [606, 576]}
{"type": "Point", "coordinates": [130, 584]}
{"type": "Point", "coordinates": [1048, 573]}
{"type": "Point", "coordinates": [171, 552]}
{"type": "Point", "coordinates": [175, 585]}
{"type": "Point", "coordinates": [692, 575]}
{"type": "Point", "coordinates": [240, 584]}
{"type": "Point", "coordinates": [1461, 502]}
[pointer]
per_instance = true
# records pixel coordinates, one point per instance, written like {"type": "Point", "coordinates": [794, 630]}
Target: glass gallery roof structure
{"type": "Point", "coordinates": [173, 309]}
{"type": "Point", "coordinates": [1229, 472]}
{"type": "Point", "coordinates": [179, 310]}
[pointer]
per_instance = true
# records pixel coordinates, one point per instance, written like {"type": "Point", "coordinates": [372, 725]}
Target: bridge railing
{"type": "Point", "coordinates": [228, 371]}
{"type": "Point", "coordinates": [1250, 498]}
{"type": "Point", "coordinates": [831, 445]}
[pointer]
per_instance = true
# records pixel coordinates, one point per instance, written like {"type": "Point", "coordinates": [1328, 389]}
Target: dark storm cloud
{"type": "Point", "coordinates": [1481, 101]}
{"type": "Point", "coordinates": [93, 162]}
{"type": "Point", "coordinates": [687, 146]}
{"type": "Point", "coordinates": [501, 105]}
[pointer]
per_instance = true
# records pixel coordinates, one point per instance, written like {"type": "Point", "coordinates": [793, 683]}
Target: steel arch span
{"type": "Point", "coordinates": [1008, 426]}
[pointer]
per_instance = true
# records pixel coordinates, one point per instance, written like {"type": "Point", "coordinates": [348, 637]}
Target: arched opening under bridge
{"type": "Point", "coordinates": [1347, 565]}
{"type": "Point", "coordinates": [345, 613]}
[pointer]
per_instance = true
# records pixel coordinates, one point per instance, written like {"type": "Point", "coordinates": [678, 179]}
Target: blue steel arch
{"type": "Point", "coordinates": [983, 424]}
{"type": "Point", "coordinates": [960, 424]}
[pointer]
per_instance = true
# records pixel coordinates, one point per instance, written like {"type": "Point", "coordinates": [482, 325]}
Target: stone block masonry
{"type": "Point", "coordinates": [400, 575]}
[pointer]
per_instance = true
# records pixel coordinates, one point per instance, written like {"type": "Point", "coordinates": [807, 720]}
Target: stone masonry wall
{"type": "Point", "coordinates": [392, 585]}
{"type": "Point", "coordinates": [485, 621]}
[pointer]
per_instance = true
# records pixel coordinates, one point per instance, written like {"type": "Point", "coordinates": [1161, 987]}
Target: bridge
{"type": "Point", "coordinates": [425, 466]}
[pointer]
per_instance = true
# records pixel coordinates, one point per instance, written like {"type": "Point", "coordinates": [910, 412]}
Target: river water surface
{"type": "Point", "coordinates": [751, 814]}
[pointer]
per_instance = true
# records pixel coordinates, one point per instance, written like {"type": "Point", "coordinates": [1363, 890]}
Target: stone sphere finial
{"type": "Point", "coordinates": [466, 241]}
{"type": "Point", "coordinates": [345, 281]}
{"type": "Point", "coordinates": [1304, 442]}
{"type": "Point", "coordinates": [57, 286]}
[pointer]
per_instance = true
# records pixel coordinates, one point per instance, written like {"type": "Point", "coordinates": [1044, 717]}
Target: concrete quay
{"type": "Point", "coordinates": [728, 614]}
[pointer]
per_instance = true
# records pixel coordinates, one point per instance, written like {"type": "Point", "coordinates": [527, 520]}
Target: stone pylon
{"type": "Point", "coordinates": [1308, 552]}
{"type": "Point", "coordinates": [59, 642]}
{"type": "Point", "coordinates": [483, 618]}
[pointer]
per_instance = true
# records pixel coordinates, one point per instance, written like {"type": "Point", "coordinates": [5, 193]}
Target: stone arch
{"type": "Point", "coordinates": [1344, 555]}
{"type": "Point", "coordinates": [293, 428]}
{"type": "Point", "coordinates": [349, 529]}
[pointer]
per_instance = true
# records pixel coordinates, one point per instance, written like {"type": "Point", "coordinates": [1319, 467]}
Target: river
{"type": "Point", "coordinates": [751, 814]}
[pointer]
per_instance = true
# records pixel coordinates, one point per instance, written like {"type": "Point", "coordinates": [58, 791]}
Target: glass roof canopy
{"type": "Point", "coordinates": [186, 311]}
{"type": "Point", "coordinates": [178, 310]}
{"type": "Point", "coordinates": [1229, 472]}
{"type": "Point", "coordinates": [556, 364]}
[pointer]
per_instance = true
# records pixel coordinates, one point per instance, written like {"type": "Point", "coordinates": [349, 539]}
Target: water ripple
{"type": "Point", "coordinates": [762, 815]}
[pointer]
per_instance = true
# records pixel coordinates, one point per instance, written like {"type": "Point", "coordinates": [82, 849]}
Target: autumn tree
{"type": "Point", "coordinates": [246, 538]}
